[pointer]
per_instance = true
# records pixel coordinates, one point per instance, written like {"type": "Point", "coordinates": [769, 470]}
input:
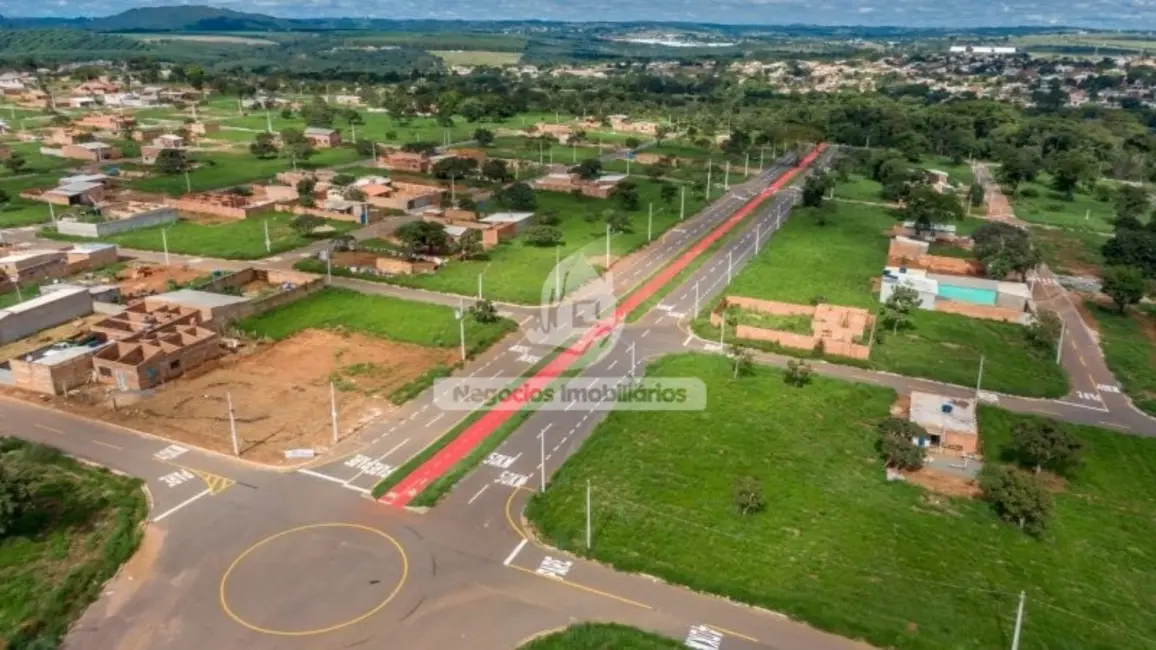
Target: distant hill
{"type": "Point", "coordinates": [186, 18]}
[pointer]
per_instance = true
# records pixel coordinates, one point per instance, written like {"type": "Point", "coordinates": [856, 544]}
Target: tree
{"type": "Point", "coordinates": [975, 195]}
{"type": "Point", "coordinates": [896, 311]}
{"type": "Point", "coordinates": [1044, 331]}
{"type": "Point", "coordinates": [661, 132]}
{"type": "Point", "coordinates": [1132, 201]}
{"type": "Point", "coordinates": [744, 360]}
{"type": "Point", "coordinates": [470, 245]}
{"type": "Point", "coordinates": [1069, 169]}
{"type": "Point", "coordinates": [1125, 285]}
{"type": "Point", "coordinates": [307, 201]}
{"type": "Point", "coordinates": [15, 162]}
{"type": "Point", "coordinates": [263, 146]}
{"type": "Point", "coordinates": [1040, 444]}
{"type": "Point", "coordinates": [543, 236]}
{"type": "Point", "coordinates": [15, 499]}
{"type": "Point", "coordinates": [927, 207]}
{"type": "Point", "coordinates": [171, 161]}
{"type": "Point", "coordinates": [619, 222]}
{"type": "Point", "coordinates": [467, 202]}
{"type": "Point", "coordinates": [798, 373]}
{"type": "Point", "coordinates": [667, 192]}
{"type": "Point", "coordinates": [588, 169]}
{"type": "Point", "coordinates": [485, 312]}
{"type": "Point", "coordinates": [318, 113]}
{"type": "Point", "coordinates": [484, 137]}
{"type": "Point", "coordinates": [896, 443]}
{"type": "Point", "coordinates": [749, 496]}
{"type": "Point", "coordinates": [1017, 496]}
{"type": "Point", "coordinates": [364, 148]}
{"type": "Point", "coordinates": [343, 179]}
{"type": "Point", "coordinates": [815, 188]}
{"type": "Point", "coordinates": [305, 224]}
{"type": "Point", "coordinates": [626, 193]}
{"type": "Point", "coordinates": [455, 167]}
{"type": "Point", "coordinates": [517, 196]}
{"type": "Point", "coordinates": [5, 197]}
{"type": "Point", "coordinates": [423, 237]}
{"type": "Point", "coordinates": [495, 170]}
{"type": "Point", "coordinates": [305, 186]}
{"type": "Point", "coordinates": [1004, 248]}
{"type": "Point", "coordinates": [296, 145]}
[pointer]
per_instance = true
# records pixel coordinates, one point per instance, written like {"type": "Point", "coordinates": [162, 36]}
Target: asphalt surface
{"type": "Point", "coordinates": [252, 558]}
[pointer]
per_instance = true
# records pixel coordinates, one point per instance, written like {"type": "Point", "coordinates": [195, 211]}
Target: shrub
{"type": "Point", "coordinates": [1029, 193]}
{"type": "Point", "coordinates": [749, 496]}
{"type": "Point", "coordinates": [798, 373]}
{"type": "Point", "coordinates": [895, 443]}
{"type": "Point", "coordinates": [1018, 497]}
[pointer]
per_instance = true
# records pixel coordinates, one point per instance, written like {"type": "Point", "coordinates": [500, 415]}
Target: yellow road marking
{"type": "Point", "coordinates": [510, 517]}
{"type": "Point", "coordinates": [732, 633]}
{"type": "Point", "coordinates": [583, 587]}
{"type": "Point", "coordinates": [353, 621]}
{"type": "Point", "coordinates": [216, 483]}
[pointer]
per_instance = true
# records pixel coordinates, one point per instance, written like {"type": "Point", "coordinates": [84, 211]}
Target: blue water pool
{"type": "Point", "coordinates": [967, 294]}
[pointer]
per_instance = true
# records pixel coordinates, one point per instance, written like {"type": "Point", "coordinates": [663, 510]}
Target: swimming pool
{"type": "Point", "coordinates": [973, 295]}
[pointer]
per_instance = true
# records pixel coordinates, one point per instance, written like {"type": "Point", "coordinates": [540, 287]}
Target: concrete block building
{"type": "Point", "coordinates": [42, 312]}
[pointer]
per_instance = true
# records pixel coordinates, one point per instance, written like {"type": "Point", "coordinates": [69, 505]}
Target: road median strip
{"type": "Point", "coordinates": [451, 452]}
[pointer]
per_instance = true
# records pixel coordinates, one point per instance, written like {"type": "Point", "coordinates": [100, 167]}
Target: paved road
{"type": "Point", "coordinates": [259, 559]}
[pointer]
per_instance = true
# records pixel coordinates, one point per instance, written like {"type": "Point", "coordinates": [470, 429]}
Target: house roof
{"type": "Point", "coordinates": [198, 299]}
{"type": "Point", "coordinates": [26, 255]}
{"type": "Point", "coordinates": [72, 189]}
{"type": "Point", "coordinates": [507, 217]}
{"type": "Point", "coordinates": [40, 301]}
{"type": "Point", "coordinates": [313, 130]}
{"type": "Point", "coordinates": [374, 189]}
{"type": "Point", "coordinates": [456, 231]}
{"type": "Point", "coordinates": [93, 146]}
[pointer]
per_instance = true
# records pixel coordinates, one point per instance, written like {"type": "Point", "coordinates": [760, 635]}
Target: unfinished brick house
{"type": "Point", "coordinates": [106, 121]}
{"type": "Point", "coordinates": [323, 138]}
{"type": "Point", "coordinates": [223, 203]}
{"type": "Point", "coordinates": [152, 344]}
{"type": "Point", "coordinates": [402, 161]}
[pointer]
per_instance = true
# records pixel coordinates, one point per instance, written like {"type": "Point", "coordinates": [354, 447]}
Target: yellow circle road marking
{"type": "Point", "coordinates": [322, 630]}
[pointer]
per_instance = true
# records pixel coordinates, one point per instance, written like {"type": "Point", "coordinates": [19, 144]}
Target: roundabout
{"type": "Point", "coordinates": [341, 574]}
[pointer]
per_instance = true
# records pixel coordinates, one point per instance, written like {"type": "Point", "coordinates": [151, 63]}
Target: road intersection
{"type": "Point", "coordinates": [302, 559]}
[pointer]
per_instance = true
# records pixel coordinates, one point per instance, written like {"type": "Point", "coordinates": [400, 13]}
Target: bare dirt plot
{"type": "Point", "coordinates": [148, 279]}
{"type": "Point", "coordinates": [280, 394]}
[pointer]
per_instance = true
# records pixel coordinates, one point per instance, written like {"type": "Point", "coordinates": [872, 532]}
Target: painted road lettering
{"type": "Point", "coordinates": [554, 568]}
{"type": "Point", "coordinates": [501, 461]}
{"type": "Point", "coordinates": [1091, 397]}
{"type": "Point", "coordinates": [511, 479]}
{"type": "Point", "coordinates": [530, 358]}
{"type": "Point", "coordinates": [367, 465]}
{"type": "Point", "coordinates": [1108, 388]}
{"type": "Point", "coordinates": [173, 479]}
{"type": "Point", "coordinates": [702, 637]}
{"type": "Point", "coordinates": [170, 452]}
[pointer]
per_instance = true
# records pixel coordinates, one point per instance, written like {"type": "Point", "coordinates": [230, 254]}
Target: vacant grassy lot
{"type": "Point", "coordinates": [518, 272]}
{"type": "Point", "coordinates": [1071, 252]}
{"type": "Point", "coordinates": [242, 239]}
{"type": "Point", "coordinates": [806, 261]}
{"type": "Point", "coordinates": [837, 545]}
{"type": "Point", "coordinates": [602, 636]}
{"type": "Point", "coordinates": [959, 173]}
{"type": "Point", "coordinates": [1129, 345]}
{"type": "Point", "coordinates": [535, 150]}
{"type": "Point", "coordinates": [384, 316]}
{"type": "Point", "coordinates": [1037, 202]}
{"type": "Point", "coordinates": [35, 162]}
{"type": "Point", "coordinates": [83, 525]}
{"type": "Point", "coordinates": [215, 171]}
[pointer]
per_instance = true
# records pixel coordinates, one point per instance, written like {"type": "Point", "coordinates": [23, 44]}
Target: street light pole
{"type": "Point", "coordinates": [1060, 343]}
{"type": "Point", "coordinates": [979, 380]}
{"type": "Point", "coordinates": [696, 298]}
{"type": "Point", "coordinates": [730, 265]}
{"type": "Point", "coordinates": [1019, 622]}
{"type": "Point", "coordinates": [232, 424]}
{"type": "Point", "coordinates": [727, 178]}
{"type": "Point", "coordinates": [588, 513]}
{"type": "Point", "coordinates": [165, 243]}
{"type": "Point", "coordinates": [268, 243]}
{"type": "Point", "coordinates": [758, 235]}
{"type": "Point", "coordinates": [557, 274]}
{"type": "Point", "coordinates": [649, 220]}
{"type": "Point", "coordinates": [542, 449]}
{"type": "Point", "coordinates": [608, 247]}
{"type": "Point", "coordinates": [682, 204]}
{"type": "Point", "coordinates": [333, 409]}
{"type": "Point", "coordinates": [709, 166]}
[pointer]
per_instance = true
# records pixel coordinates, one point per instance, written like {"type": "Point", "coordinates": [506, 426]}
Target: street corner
{"type": "Point", "coordinates": [314, 579]}
{"type": "Point", "coordinates": [175, 485]}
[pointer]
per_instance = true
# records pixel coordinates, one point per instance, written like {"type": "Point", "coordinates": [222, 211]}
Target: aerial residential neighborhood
{"type": "Point", "coordinates": [574, 330]}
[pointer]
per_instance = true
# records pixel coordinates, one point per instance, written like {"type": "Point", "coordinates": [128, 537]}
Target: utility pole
{"type": "Point", "coordinates": [1060, 343]}
{"type": "Point", "coordinates": [762, 156]}
{"type": "Point", "coordinates": [329, 266]}
{"type": "Point", "coordinates": [649, 220]}
{"type": "Point", "coordinates": [333, 409]}
{"type": "Point", "coordinates": [268, 244]}
{"type": "Point", "coordinates": [1019, 622]}
{"type": "Point", "coordinates": [268, 122]}
{"type": "Point", "coordinates": [633, 363]}
{"type": "Point", "coordinates": [979, 380]}
{"type": "Point", "coordinates": [52, 213]}
{"type": "Point", "coordinates": [709, 166]}
{"type": "Point", "coordinates": [588, 513]}
{"type": "Point", "coordinates": [232, 424]}
{"type": "Point", "coordinates": [608, 247]}
{"type": "Point", "coordinates": [557, 274]}
{"type": "Point", "coordinates": [165, 243]}
{"type": "Point", "coordinates": [696, 297]}
{"type": "Point", "coordinates": [727, 178]}
{"type": "Point", "coordinates": [758, 235]}
{"type": "Point", "coordinates": [462, 330]}
{"type": "Point", "coordinates": [730, 264]}
{"type": "Point", "coordinates": [747, 166]}
{"type": "Point", "coordinates": [188, 181]}
{"type": "Point", "coordinates": [682, 204]}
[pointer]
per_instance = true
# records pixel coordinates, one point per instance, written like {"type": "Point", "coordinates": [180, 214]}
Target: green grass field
{"type": "Point", "coordinates": [527, 149]}
{"type": "Point", "coordinates": [243, 239]}
{"type": "Point", "coordinates": [959, 173]}
{"type": "Point", "coordinates": [1071, 252]}
{"type": "Point", "coordinates": [1130, 353]}
{"type": "Point", "coordinates": [391, 318]}
{"type": "Point", "coordinates": [1049, 207]}
{"type": "Point", "coordinates": [839, 547]}
{"type": "Point", "coordinates": [217, 171]}
{"type": "Point", "coordinates": [602, 636]}
{"type": "Point", "coordinates": [837, 263]}
{"type": "Point", "coordinates": [517, 272]}
{"type": "Point", "coordinates": [36, 162]}
{"type": "Point", "coordinates": [84, 524]}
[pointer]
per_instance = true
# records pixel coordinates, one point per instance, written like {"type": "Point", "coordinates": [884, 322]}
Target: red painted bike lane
{"type": "Point", "coordinates": [472, 436]}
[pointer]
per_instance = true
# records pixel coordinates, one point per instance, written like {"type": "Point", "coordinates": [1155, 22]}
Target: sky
{"type": "Point", "coordinates": [1110, 14]}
